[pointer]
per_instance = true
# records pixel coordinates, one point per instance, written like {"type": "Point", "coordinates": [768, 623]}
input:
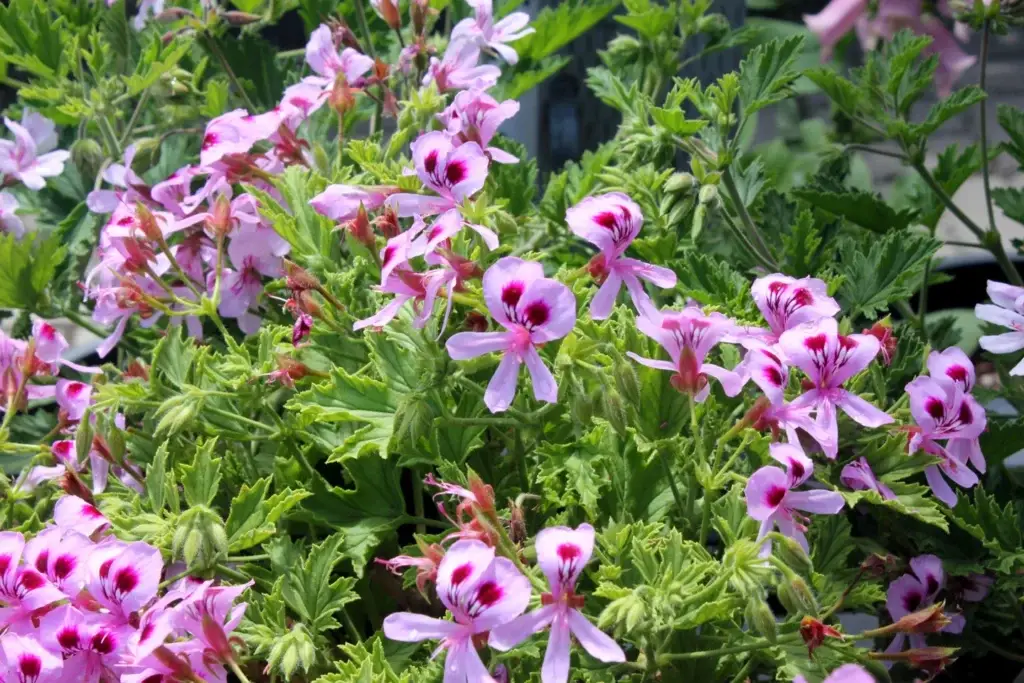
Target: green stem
{"type": "Point", "coordinates": [744, 672]}
{"type": "Point", "coordinates": [758, 644]}
{"type": "Point", "coordinates": [741, 210]}
{"type": "Point", "coordinates": [985, 31]}
{"type": "Point", "coordinates": [876, 150]}
{"type": "Point", "coordinates": [288, 54]}
{"type": "Point", "coordinates": [237, 671]}
{"type": "Point", "coordinates": [248, 558]}
{"type": "Point", "coordinates": [211, 45]}
{"type": "Point", "coordinates": [417, 500]}
{"type": "Point", "coordinates": [350, 626]}
{"type": "Point", "coordinates": [922, 297]}
{"type": "Point", "coordinates": [240, 418]}
{"type": "Point", "coordinates": [176, 577]}
{"type": "Point", "coordinates": [135, 116]}
{"type": "Point", "coordinates": [364, 28]}
{"type": "Point", "coordinates": [988, 645]}
{"type": "Point", "coordinates": [232, 574]}
{"type": "Point", "coordinates": [304, 461]}
{"type": "Point", "coordinates": [940, 192]}
{"type": "Point", "coordinates": [481, 421]}
{"type": "Point", "coordinates": [671, 481]}
{"type": "Point", "coordinates": [524, 475]}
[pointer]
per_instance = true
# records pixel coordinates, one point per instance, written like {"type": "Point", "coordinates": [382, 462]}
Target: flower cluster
{"type": "Point", "coordinates": [29, 159]}
{"type": "Point", "coordinates": [839, 17]}
{"type": "Point", "coordinates": [487, 595]}
{"type": "Point", "coordinates": [82, 605]}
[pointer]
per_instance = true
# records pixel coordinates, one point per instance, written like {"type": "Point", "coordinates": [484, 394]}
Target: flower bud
{"type": "Point", "coordinates": [708, 194]}
{"type": "Point", "coordinates": [931, 659]}
{"type": "Point", "coordinates": [517, 522]}
{"type": "Point", "coordinates": [87, 155]}
{"type": "Point", "coordinates": [475, 322]}
{"type": "Point", "coordinates": [342, 98]}
{"type": "Point", "coordinates": [627, 381]}
{"type": "Point", "coordinates": [761, 618]}
{"type": "Point", "coordinates": [219, 220]}
{"type": "Point", "coordinates": [931, 619]}
{"type": "Point", "coordinates": [236, 18]}
{"type": "Point", "coordinates": [418, 10]}
{"type": "Point", "coordinates": [298, 279]}
{"type": "Point", "coordinates": [882, 331]}
{"type": "Point", "coordinates": [791, 552]}
{"type": "Point", "coordinates": [302, 328]}
{"type": "Point", "coordinates": [388, 11]}
{"type": "Point", "coordinates": [795, 595]}
{"type": "Point", "coordinates": [679, 182]}
{"type": "Point", "coordinates": [359, 228]}
{"type": "Point", "coordinates": [614, 411]}
{"type": "Point", "coordinates": [172, 14]}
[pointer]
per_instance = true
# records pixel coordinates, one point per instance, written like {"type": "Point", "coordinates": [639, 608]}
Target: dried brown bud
{"type": "Point", "coordinates": [299, 279]}
{"type": "Point", "coordinates": [173, 14]}
{"type": "Point", "coordinates": [236, 18]}
{"type": "Point", "coordinates": [931, 619]}
{"type": "Point", "coordinates": [930, 659]}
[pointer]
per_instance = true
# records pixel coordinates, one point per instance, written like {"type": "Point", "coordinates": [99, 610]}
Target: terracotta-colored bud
{"type": "Point", "coordinates": [359, 228]}
{"type": "Point", "coordinates": [236, 18]}
{"type": "Point", "coordinates": [219, 221]}
{"type": "Point", "coordinates": [342, 97]}
{"type": "Point", "coordinates": [299, 279]}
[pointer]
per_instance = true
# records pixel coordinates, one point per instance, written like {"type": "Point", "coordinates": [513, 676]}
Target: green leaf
{"type": "Point", "coordinates": [907, 78]}
{"type": "Point", "coordinates": [201, 479]}
{"type": "Point", "coordinates": [367, 405]}
{"type": "Point", "coordinates": [675, 121]}
{"type": "Point", "coordinates": [952, 170]}
{"type": "Point", "coordinates": [253, 517]}
{"type": "Point", "coordinates": [362, 665]}
{"type": "Point", "coordinates": [948, 108]}
{"type": "Point", "coordinates": [27, 267]}
{"type": "Point", "coordinates": [156, 478]}
{"type": "Point", "coordinates": [861, 208]}
{"type": "Point", "coordinates": [555, 27]}
{"type": "Point", "coordinates": [172, 358]}
{"type": "Point", "coordinates": [1011, 201]}
{"type": "Point", "coordinates": [310, 592]}
{"type": "Point", "coordinates": [254, 61]}
{"type": "Point", "coordinates": [998, 528]}
{"type": "Point", "coordinates": [1012, 121]}
{"type": "Point", "coordinates": [767, 73]}
{"type": "Point", "coordinates": [847, 97]}
{"type": "Point", "coordinates": [887, 270]}
{"type": "Point", "coordinates": [375, 499]}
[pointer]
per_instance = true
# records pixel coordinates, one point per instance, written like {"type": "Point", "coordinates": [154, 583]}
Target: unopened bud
{"type": "Point", "coordinates": [236, 18]}
{"type": "Point", "coordinates": [387, 223]}
{"type": "Point", "coordinates": [880, 565]}
{"type": "Point", "coordinates": [761, 618]}
{"type": "Point", "coordinates": [679, 182]}
{"type": "Point", "coordinates": [146, 222]}
{"type": "Point", "coordinates": [418, 10]}
{"type": "Point", "coordinates": [795, 595]}
{"type": "Point", "coordinates": [219, 220]}
{"type": "Point", "coordinates": [172, 14]}
{"type": "Point", "coordinates": [931, 619]}
{"type": "Point", "coordinates": [614, 411]}
{"type": "Point", "coordinates": [308, 303]}
{"type": "Point", "coordinates": [931, 659]}
{"type": "Point", "coordinates": [708, 194]}
{"type": "Point", "coordinates": [791, 553]}
{"type": "Point", "coordinates": [87, 155]}
{"type": "Point", "coordinates": [627, 382]}
{"type": "Point", "coordinates": [359, 228]}
{"type": "Point", "coordinates": [299, 279]}
{"type": "Point", "coordinates": [476, 322]}
{"type": "Point", "coordinates": [516, 523]}
{"type": "Point", "coordinates": [882, 331]}
{"type": "Point", "coordinates": [388, 11]}
{"type": "Point", "coordinates": [341, 98]}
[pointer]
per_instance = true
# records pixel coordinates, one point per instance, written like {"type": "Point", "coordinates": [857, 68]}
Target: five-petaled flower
{"type": "Point", "coordinates": [482, 592]}
{"type": "Point", "coordinates": [1007, 310]}
{"type": "Point", "coordinates": [534, 310]}
{"type": "Point", "coordinates": [611, 222]}
{"type": "Point", "coordinates": [561, 553]}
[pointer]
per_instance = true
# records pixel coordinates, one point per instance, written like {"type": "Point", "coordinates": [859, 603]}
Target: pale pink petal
{"type": "Point", "coordinates": [765, 491]}
{"type": "Point", "coordinates": [1007, 342]}
{"type": "Point", "coordinates": [652, 363]}
{"type": "Point", "coordinates": [928, 569]}
{"type": "Point", "coordinates": [835, 21]}
{"type": "Point", "coordinates": [862, 412]}
{"type": "Point", "coordinates": [562, 553]}
{"type": "Point", "coordinates": [407, 627]}
{"type": "Point", "coordinates": [506, 636]}
{"type": "Point", "coordinates": [798, 465]}
{"type": "Point", "coordinates": [596, 642]}
{"type": "Point", "coordinates": [555, 668]}
{"type": "Point", "coordinates": [544, 386]}
{"type": "Point", "coordinates": [939, 487]}
{"type": "Point", "coordinates": [603, 302]}
{"type": "Point", "coordinates": [466, 345]}
{"type": "Point", "coordinates": [501, 390]}
{"type": "Point", "coordinates": [816, 501]}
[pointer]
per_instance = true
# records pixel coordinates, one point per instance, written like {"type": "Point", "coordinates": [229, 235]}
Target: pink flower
{"type": "Point", "coordinates": [688, 337]}
{"type": "Point", "coordinates": [561, 553]}
{"type": "Point", "coordinates": [534, 310]}
{"type": "Point", "coordinates": [847, 673]}
{"type": "Point", "coordinates": [829, 359]}
{"type": "Point", "coordinates": [834, 22]}
{"type": "Point", "coordinates": [458, 69]}
{"type": "Point", "coordinates": [943, 411]}
{"type": "Point", "coordinates": [485, 33]}
{"type": "Point", "coordinates": [123, 577]}
{"type": "Point", "coordinates": [61, 556]}
{"type": "Point", "coordinates": [324, 59]}
{"type": "Point", "coordinates": [133, 188]}
{"type": "Point", "coordinates": [90, 647]}
{"type": "Point", "coordinates": [420, 288]}
{"type": "Point", "coordinates": [10, 221]}
{"type": "Point", "coordinates": [211, 615]}
{"type": "Point", "coordinates": [953, 61]}
{"type": "Point", "coordinates": [29, 158]}
{"type": "Point", "coordinates": [474, 116]}
{"type": "Point", "coordinates": [482, 592]}
{"type": "Point", "coordinates": [25, 660]}
{"type": "Point", "coordinates": [763, 365]}
{"type": "Point", "coordinates": [342, 202]}
{"type": "Point", "coordinates": [772, 502]}
{"type": "Point", "coordinates": [786, 302]}
{"type": "Point", "coordinates": [71, 513]}
{"type": "Point", "coordinates": [63, 452]}
{"type": "Point", "coordinates": [1007, 310]}
{"type": "Point", "coordinates": [611, 222]}
{"type": "Point", "coordinates": [455, 174]}
{"type": "Point", "coordinates": [50, 346]}
{"type": "Point", "coordinates": [23, 589]}
{"type": "Point", "coordinates": [235, 133]}
{"type": "Point", "coordinates": [915, 591]}
{"type": "Point", "coordinates": [73, 398]}
{"type": "Point", "coordinates": [859, 477]}
{"type": "Point", "coordinates": [254, 254]}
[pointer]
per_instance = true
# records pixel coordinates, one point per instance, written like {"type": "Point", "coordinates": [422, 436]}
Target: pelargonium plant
{"type": "Point", "coordinates": [308, 373]}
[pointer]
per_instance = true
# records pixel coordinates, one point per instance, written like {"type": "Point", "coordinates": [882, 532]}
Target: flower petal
{"type": "Point", "coordinates": [501, 390]}
{"type": "Point", "coordinates": [596, 642]}
{"type": "Point", "coordinates": [407, 627]}
{"type": "Point", "coordinates": [507, 636]}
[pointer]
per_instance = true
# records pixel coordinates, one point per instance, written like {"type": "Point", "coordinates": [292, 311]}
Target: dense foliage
{"type": "Point", "coordinates": [310, 449]}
